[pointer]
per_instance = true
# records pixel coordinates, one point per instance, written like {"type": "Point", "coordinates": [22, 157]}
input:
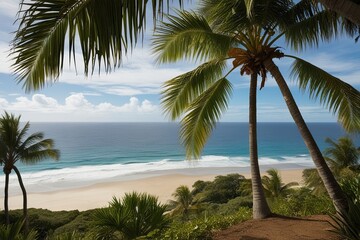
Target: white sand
{"type": "Point", "coordinates": [98, 195]}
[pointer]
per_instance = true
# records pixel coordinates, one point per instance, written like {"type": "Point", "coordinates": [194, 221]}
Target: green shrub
{"type": "Point", "coordinates": [12, 232]}
{"type": "Point", "coordinates": [44, 221]}
{"type": "Point", "coordinates": [202, 228]}
{"type": "Point", "coordinates": [302, 203]}
{"type": "Point", "coordinates": [221, 190]}
{"type": "Point", "coordinates": [133, 216]}
{"type": "Point", "coordinates": [81, 225]}
{"type": "Point", "coordinates": [347, 225]}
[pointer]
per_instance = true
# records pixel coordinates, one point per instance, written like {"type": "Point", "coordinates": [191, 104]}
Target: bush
{"type": "Point", "coordinates": [221, 190]}
{"type": "Point", "coordinates": [202, 228]}
{"type": "Point", "coordinates": [44, 221]}
{"type": "Point", "coordinates": [81, 225]}
{"type": "Point", "coordinates": [133, 216]}
{"type": "Point", "coordinates": [347, 225]}
{"type": "Point", "coordinates": [302, 203]}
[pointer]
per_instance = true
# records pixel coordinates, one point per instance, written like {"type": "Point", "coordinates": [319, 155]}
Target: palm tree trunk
{"type": "Point", "coordinates": [6, 198]}
{"type": "Point", "coordinates": [25, 212]}
{"type": "Point", "coordinates": [345, 8]}
{"type": "Point", "coordinates": [326, 175]}
{"type": "Point", "coordinates": [260, 206]}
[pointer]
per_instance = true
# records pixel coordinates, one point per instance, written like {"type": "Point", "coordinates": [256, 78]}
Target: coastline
{"type": "Point", "coordinates": [160, 183]}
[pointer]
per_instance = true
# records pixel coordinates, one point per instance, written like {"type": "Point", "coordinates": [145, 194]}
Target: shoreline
{"type": "Point", "coordinates": [161, 183]}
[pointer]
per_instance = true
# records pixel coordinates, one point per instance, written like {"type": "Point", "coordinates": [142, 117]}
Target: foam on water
{"type": "Point", "coordinates": [55, 179]}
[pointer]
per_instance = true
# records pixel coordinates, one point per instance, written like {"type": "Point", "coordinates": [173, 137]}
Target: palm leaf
{"type": "Point", "coordinates": [103, 29]}
{"type": "Point", "coordinates": [202, 115]}
{"type": "Point", "coordinates": [309, 32]}
{"type": "Point", "coordinates": [181, 36]}
{"type": "Point", "coordinates": [336, 95]}
{"type": "Point", "coordinates": [180, 91]}
{"type": "Point", "coordinates": [236, 16]}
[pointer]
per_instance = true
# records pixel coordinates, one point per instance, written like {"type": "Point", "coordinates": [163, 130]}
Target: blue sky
{"type": "Point", "coordinates": [131, 93]}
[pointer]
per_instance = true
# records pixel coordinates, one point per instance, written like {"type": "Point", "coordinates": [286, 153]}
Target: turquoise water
{"type": "Point", "coordinates": [84, 144]}
{"type": "Point", "coordinates": [92, 152]}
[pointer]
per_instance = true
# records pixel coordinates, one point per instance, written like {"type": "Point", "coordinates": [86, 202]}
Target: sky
{"type": "Point", "coordinates": [132, 92]}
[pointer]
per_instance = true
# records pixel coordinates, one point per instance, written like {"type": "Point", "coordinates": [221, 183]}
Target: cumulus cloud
{"type": "Point", "coordinates": [76, 102]}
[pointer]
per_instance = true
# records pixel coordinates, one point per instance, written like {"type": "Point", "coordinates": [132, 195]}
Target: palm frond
{"type": "Point", "coordinates": [342, 153]}
{"type": "Point", "coordinates": [180, 91]}
{"type": "Point", "coordinates": [336, 95]}
{"type": "Point", "coordinates": [202, 115]}
{"type": "Point", "coordinates": [309, 32]}
{"type": "Point", "coordinates": [39, 155]}
{"type": "Point", "coordinates": [182, 36]}
{"type": "Point", "coordinates": [239, 15]}
{"type": "Point", "coordinates": [225, 16]}
{"type": "Point", "coordinates": [32, 139]}
{"type": "Point", "coordinates": [103, 29]}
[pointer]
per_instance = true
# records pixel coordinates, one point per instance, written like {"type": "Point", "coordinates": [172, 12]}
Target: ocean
{"type": "Point", "coordinates": [96, 152]}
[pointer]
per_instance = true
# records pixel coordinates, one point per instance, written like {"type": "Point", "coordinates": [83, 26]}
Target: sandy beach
{"type": "Point", "coordinates": [161, 184]}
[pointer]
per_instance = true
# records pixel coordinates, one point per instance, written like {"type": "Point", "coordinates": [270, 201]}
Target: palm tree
{"type": "Point", "coordinates": [313, 181]}
{"type": "Point", "coordinates": [183, 200]}
{"type": "Point", "coordinates": [14, 147]}
{"type": "Point", "coordinates": [341, 154]}
{"type": "Point", "coordinates": [342, 157]}
{"type": "Point", "coordinates": [105, 31]}
{"type": "Point", "coordinates": [133, 216]}
{"type": "Point", "coordinates": [224, 31]}
{"type": "Point", "coordinates": [273, 185]}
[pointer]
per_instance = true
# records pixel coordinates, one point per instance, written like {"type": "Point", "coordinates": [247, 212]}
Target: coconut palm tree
{"type": "Point", "coordinates": [341, 154]}
{"type": "Point", "coordinates": [16, 146]}
{"type": "Point", "coordinates": [104, 30]}
{"type": "Point", "coordinates": [135, 215]}
{"type": "Point", "coordinates": [224, 31]}
{"type": "Point", "coordinates": [342, 157]}
{"type": "Point", "coordinates": [183, 200]}
{"type": "Point", "coordinates": [273, 185]}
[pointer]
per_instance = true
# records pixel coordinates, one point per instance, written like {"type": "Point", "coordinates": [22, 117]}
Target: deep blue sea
{"type": "Point", "coordinates": [106, 150]}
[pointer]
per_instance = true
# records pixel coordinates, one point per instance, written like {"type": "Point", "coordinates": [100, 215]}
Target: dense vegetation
{"type": "Point", "coordinates": [214, 205]}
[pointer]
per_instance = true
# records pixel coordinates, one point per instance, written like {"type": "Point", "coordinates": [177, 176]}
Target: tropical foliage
{"type": "Point", "coordinates": [301, 202]}
{"type": "Point", "coordinates": [347, 8]}
{"type": "Point", "coordinates": [342, 154]}
{"type": "Point", "coordinates": [135, 215]}
{"type": "Point", "coordinates": [343, 159]}
{"type": "Point", "coordinates": [16, 146]}
{"type": "Point", "coordinates": [347, 224]}
{"type": "Point", "coordinates": [273, 185]}
{"type": "Point", "coordinates": [202, 228]}
{"type": "Point", "coordinates": [182, 202]}
{"type": "Point", "coordinates": [104, 30]}
{"type": "Point", "coordinates": [13, 232]}
{"type": "Point", "coordinates": [221, 190]}
{"type": "Point", "coordinates": [209, 216]}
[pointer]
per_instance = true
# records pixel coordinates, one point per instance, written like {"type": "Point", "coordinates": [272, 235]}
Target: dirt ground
{"type": "Point", "coordinates": [280, 228]}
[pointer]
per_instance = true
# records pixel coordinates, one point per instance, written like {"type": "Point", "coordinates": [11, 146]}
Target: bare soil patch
{"type": "Point", "coordinates": [280, 228]}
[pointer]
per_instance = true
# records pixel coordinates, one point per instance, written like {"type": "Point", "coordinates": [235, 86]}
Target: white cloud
{"type": "Point", "coordinates": [75, 103]}
{"type": "Point", "coordinates": [3, 102]}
